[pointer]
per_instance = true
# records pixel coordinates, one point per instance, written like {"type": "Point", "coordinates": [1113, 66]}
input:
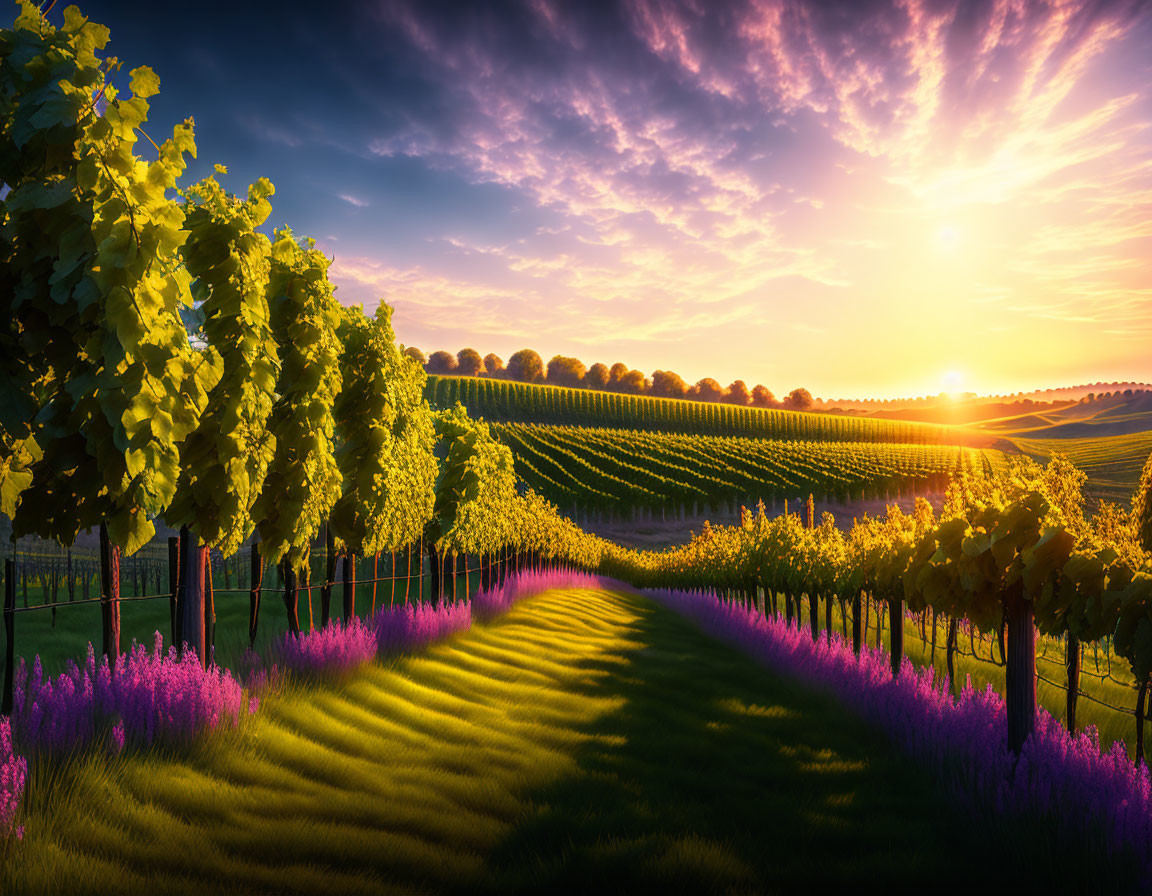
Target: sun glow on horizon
{"type": "Point", "coordinates": [782, 195]}
{"type": "Point", "coordinates": [953, 382]}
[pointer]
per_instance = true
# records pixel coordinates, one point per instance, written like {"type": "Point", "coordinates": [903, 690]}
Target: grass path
{"type": "Point", "coordinates": [585, 740]}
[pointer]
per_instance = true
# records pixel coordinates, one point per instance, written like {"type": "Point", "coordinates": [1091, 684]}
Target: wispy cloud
{"type": "Point", "coordinates": [706, 176]}
{"type": "Point", "coordinates": [354, 200]}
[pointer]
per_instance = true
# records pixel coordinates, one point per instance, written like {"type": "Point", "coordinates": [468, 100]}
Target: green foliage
{"type": "Point", "coordinates": [91, 287]}
{"type": "Point", "coordinates": [303, 481]}
{"type": "Point", "coordinates": [1142, 506]}
{"type": "Point", "coordinates": [224, 460]}
{"type": "Point", "coordinates": [16, 460]}
{"type": "Point", "coordinates": [385, 439]}
{"type": "Point", "coordinates": [476, 488]}
{"type": "Point", "coordinates": [506, 401]}
{"type": "Point", "coordinates": [1134, 626]}
{"type": "Point", "coordinates": [603, 468]}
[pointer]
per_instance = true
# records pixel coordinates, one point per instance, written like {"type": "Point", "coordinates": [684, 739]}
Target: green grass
{"type": "Point", "coordinates": [585, 742]}
{"type": "Point", "coordinates": [1113, 463]}
{"type": "Point", "coordinates": [66, 637]}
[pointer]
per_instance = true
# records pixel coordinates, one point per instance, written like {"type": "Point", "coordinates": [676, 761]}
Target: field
{"type": "Point", "coordinates": [503, 401]}
{"type": "Point", "coordinates": [1113, 463]}
{"type": "Point", "coordinates": [557, 748]}
{"type": "Point", "coordinates": [606, 468]}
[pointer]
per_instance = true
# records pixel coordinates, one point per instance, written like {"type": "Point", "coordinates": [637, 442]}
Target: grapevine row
{"type": "Point", "coordinates": [513, 402]}
{"type": "Point", "coordinates": [606, 468]}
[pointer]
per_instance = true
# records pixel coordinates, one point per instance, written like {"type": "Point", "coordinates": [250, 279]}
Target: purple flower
{"type": "Point", "coordinates": [500, 599]}
{"type": "Point", "coordinates": [151, 696]}
{"type": "Point", "coordinates": [13, 773]}
{"type": "Point", "coordinates": [1080, 793]}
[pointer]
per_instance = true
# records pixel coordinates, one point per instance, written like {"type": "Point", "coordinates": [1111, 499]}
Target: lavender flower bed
{"type": "Point", "coordinates": [1101, 801]}
{"type": "Point", "coordinates": [153, 696]}
{"type": "Point", "coordinates": [341, 647]}
{"type": "Point", "coordinates": [150, 697]}
{"type": "Point", "coordinates": [487, 604]}
{"type": "Point", "coordinates": [414, 625]}
{"type": "Point", "coordinates": [13, 771]}
{"type": "Point", "coordinates": [337, 648]}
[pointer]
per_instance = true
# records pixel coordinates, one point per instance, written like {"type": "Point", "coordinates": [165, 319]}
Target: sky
{"type": "Point", "coordinates": [867, 199]}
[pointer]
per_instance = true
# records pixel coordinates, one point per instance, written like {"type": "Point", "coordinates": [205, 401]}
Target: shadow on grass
{"type": "Point", "coordinates": [717, 776]}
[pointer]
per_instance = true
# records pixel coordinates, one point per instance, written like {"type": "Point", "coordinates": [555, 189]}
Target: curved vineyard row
{"type": "Point", "coordinates": [605, 468]}
{"type": "Point", "coordinates": [511, 402]}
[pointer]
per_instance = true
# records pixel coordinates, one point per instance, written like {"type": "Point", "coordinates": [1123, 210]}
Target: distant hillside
{"type": "Point", "coordinates": [1113, 463]}
{"type": "Point", "coordinates": [512, 402]}
{"type": "Point", "coordinates": [908, 408]}
{"type": "Point", "coordinates": [1105, 417]}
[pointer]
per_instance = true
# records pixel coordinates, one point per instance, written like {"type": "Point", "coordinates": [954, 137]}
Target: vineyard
{"type": "Point", "coordinates": [503, 401]}
{"type": "Point", "coordinates": [1113, 463]}
{"type": "Point", "coordinates": [353, 634]}
{"type": "Point", "coordinates": [599, 469]}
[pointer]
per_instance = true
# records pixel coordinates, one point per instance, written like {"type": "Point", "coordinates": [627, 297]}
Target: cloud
{"type": "Point", "coordinates": [718, 165]}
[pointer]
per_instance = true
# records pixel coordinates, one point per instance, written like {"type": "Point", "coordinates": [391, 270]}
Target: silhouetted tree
{"type": "Point", "coordinates": [413, 352]}
{"type": "Point", "coordinates": [441, 362]}
{"type": "Point", "coordinates": [596, 377]}
{"type": "Point", "coordinates": [616, 375]}
{"type": "Point", "coordinates": [667, 384]}
{"type": "Point", "coordinates": [798, 400]}
{"type": "Point", "coordinates": [738, 393]}
{"type": "Point", "coordinates": [493, 365]}
{"type": "Point", "coordinates": [526, 366]}
{"type": "Point", "coordinates": [762, 398]}
{"type": "Point", "coordinates": [469, 362]}
{"type": "Point", "coordinates": [564, 371]}
{"type": "Point", "coordinates": [634, 383]}
{"type": "Point", "coordinates": [706, 390]}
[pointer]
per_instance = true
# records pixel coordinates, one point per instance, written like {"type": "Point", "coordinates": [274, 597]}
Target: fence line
{"type": "Point", "coordinates": [916, 635]}
{"type": "Point", "coordinates": [110, 567]}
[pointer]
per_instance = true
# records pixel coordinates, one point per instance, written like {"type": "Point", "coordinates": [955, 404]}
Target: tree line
{"type": "Point", "coordinates": [526, 366]}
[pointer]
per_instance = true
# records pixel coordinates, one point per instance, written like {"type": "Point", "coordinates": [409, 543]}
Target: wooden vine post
{"type": "Point", "coordinates": [193, 609]}
{"type": "Point", "coordinates": [857, 610]}
{"type": "Point", "coordinates": [896, 632]}
{"type": "Point", "coordinates": [375, 577]}
{"type": "Point", "coordinates": [1072, 665]}
{"type": "Point", "coordinates": [1020, 673]}
{"type": "Point", "coordinates": [291, 595]}
{"type": "Point", "coordinates": [209, 609]}
{"type": "Point", "coordinates": [329, 575]}
{"type": "Point", "coordinates": [173, 583]}
{"type": "Point", "coordinates": [255, 583]}
{"type": "Point", "coordinates": [9, 634]}
{"type": "Point", "coordinates": [349, 585]}
{"type": "Point", "coordinates": [109, 596]}
{"type": "Point", "coordinates": [1141, 703]}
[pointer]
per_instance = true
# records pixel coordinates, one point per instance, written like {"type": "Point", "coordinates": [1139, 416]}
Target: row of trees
{"type": "Point", "coordinates": [526, 366]}
{"type": "Point", "coordinates": [514, 402]}
{"type": "Point", "coordinates": [1010, 553]}
{"type": "Point", "coordinates": [164, 359]}
{"type": "Point", "coordinates": [609, 469]}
